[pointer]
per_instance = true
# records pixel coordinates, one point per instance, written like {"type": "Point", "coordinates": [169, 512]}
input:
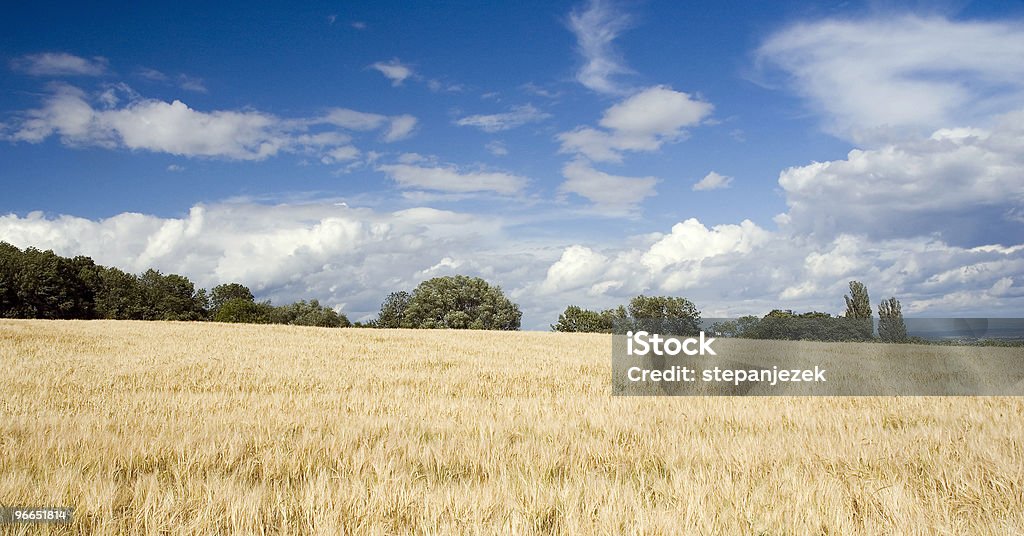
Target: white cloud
{"type": "Point", "coordinates": [730, 270]}
{"type": "Point", "coordinates": [393, 70]}
{"type": "Point", "coordinates": [175, 168]}
{"type": "Point", "coordinates": [596, 27]}
{"type": "Point", "coordinates": [345, 153]}
{"type": "Point", "coordinates": [354, 120]}
{"type": "Point", "coordinates": [578, 266]}
{"type": "Point", "coordinates": [358, 25]}
{"type": "Point", "coordinates": [328, 251]}
{"type": "Point", "coordinates": [960, 184]}
{"type": "Point", "coordinates": [518, 116]}
{"type": "Point", "coordinates": [175, 128]}
{"type": "Point", "coordinates": [642, 122]}
{"type": "Point", "coordinates": [401, 127]}
{"type": "Point", "coordinates": [614, 195]}
{"type": "Point", "coordinates": [356, 256]}
{"type": "Point", "coordinates": [881, 78]}
{"type": "Point", "coordinates": [451, 179]}
{"type": "Point", "coordinates": [712, 181]}
{"type": "Point", "coordinates": [60, 64]}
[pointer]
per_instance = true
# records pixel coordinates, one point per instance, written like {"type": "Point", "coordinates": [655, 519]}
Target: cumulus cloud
{"type": "Point", "coordinates": [596, 27]}
{"type": "Point", "coordinates": [578, 266]}
{"type": "Point", "coordinates": [518, 116]}
{"type": "Point", "coordinates": [175, 128]}
{"type": "Point", "coordinates": [340, 255]}
{"type": "Point", "coordinates": [356, 256]}
{"type": "Point", "coordinates": [614, 195]}
{"type": "Point", "coordinates": [731, 270]}
{"type": "Point", "coordinates": [393, 70]}
{"type": "Point", "coordinates": [642, 122]}
{"type": "Point", "coordinates": [448, 178]}
{"type": "Point", "coordinates": [712, 181]}
{"type": "Point", "coordinates": [60, 64]}
{"type": "Point", "coordinates": [962, 185]}
{"type": "Point", "coordinates": [881, 78]}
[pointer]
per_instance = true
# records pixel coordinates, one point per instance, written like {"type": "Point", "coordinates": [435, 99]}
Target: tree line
{"type": "Point", "coordinates": [680, 316]}
{"type": "Point", "coordinates": [42, 284]}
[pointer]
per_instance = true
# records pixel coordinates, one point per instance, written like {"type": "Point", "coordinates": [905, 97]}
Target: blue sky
{"type": "Point", "coordinates": [746, 156]}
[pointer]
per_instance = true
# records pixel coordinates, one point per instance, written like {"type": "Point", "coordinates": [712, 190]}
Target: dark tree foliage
{"type": "Point", "coordinates": [302, 313]}
{"type": "Point", "coordinates": [221, 294]}
{"type": "Point", "coordinates": [119, 295]}
{"type": "Point", "coordinates": [579, 320]}
{"type": "Point", "coordinates": [460, 302]}
{"type": "Point", "coordinates": [171, 297]}
{"type": "Point", "coordinates": [42, 284]}
{"type": "Point", "coordinates": [663, 314]}
{"type": "Point", "coordinates": [241, 310]}
{"type": "Point", "coordinates": [392, 311]}
{"type": "Point", "coordinates": [891, 327]}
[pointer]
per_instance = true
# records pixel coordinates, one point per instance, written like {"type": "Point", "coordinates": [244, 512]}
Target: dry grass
{"type": "Point", "coordinates": [212, 428]}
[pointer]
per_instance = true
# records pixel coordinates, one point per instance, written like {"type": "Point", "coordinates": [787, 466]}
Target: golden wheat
{"type": "Point", "coordinates": [187, 428]}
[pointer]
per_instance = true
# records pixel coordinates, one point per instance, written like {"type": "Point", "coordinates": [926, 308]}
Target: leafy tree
{"type": "Point", "coordinates": [119, 295]}
{"type": "Point", "coordinates": [663, 314]}
{"type": "Point", "coordinates": [392, 311]}
{"type": "Point", "coordinates": [171, 297]}
{"type": "Point", "coordinates": [858, 305]}
{"type": "Point", "coordinates": [241, 310]}
{"type": "Point", "coordinates": [302, 313]}
{"type": "Point", "coordinates": [580, 320]}
{"type": "Point", "coordinates": [42, 284]}
{"type": "Point", "coordinates": [10, 269]}
{"type": "Point", "coordinates": [891, 327]}
{"type": "Point", "coordinates": [858, 309]}
{"type": "Point", "coordinates": [221, 294]}
{"type": "Point", "coordinates": [460, 302]}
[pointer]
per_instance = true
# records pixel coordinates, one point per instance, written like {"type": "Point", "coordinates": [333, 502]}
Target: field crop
{"type": "Point", "coordinates": [204, 428]}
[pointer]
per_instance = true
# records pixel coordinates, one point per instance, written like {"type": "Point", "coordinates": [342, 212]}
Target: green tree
{"type": "Point", "coordinates": [119, 295]}
{"type": "Point", "coordinates": [171, 297]}
{"type": "Point", "coordinates": [221, 294]}
{"type": "Point", "coordinates": [858, 305]}
{"type": "Point", "coordinates": [302, 313]}
{"type": "Point", "coordinates": [891, 327]}
{"type": "Point", "coordinates": [10, 271]}
{"type": "Point", "coordinates": [858, 309]}
{"type": "Point", "coordinates": [241, 310]}
{"type": "Point", "coordinates": [42, 284]}
{"type": "Point", "coordinates": [461, 302]}
{"type": "Point", "coordinates": [579, 320]}
{"type": "Point", "coordinates": [392, 311]}
{"type": "Point", "coordinates": [663, 314]}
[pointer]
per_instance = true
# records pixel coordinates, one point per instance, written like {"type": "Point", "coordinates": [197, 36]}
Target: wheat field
{"type": "Point", "coordinates": [203, 428]}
